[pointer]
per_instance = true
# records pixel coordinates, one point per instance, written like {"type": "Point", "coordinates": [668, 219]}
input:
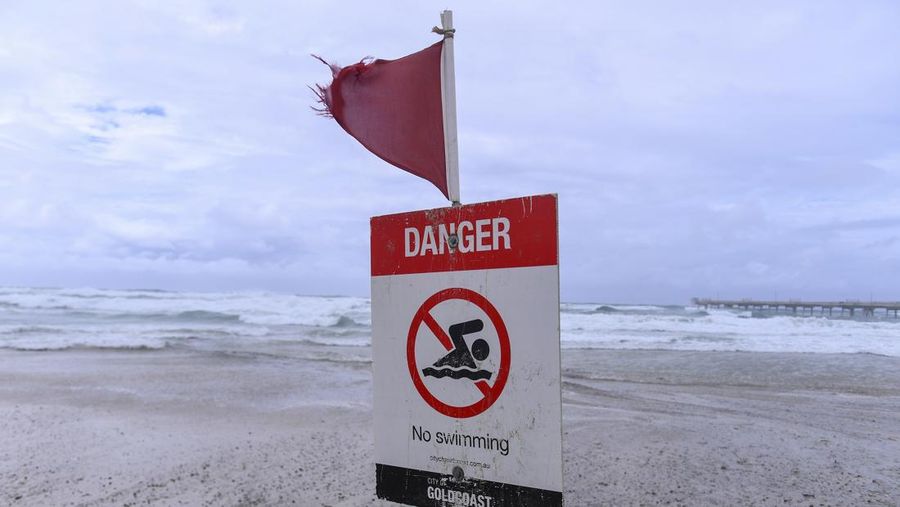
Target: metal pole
{"type": "Point", "coordinates": [448, 96]}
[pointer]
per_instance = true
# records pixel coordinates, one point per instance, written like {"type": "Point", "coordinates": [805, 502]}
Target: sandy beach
{"type": "Point", "coordinates": [181, 427]}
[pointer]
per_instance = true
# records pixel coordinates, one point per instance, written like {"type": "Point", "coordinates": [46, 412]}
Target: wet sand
{"type": "Point", "coordinates": [640, 428]}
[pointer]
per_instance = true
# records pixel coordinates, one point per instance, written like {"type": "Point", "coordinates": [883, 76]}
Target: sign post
{"type": "Point", "coordinates": [465, 337]}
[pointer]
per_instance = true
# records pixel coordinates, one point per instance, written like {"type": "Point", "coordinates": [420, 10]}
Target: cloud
{"type": "Point", "coordinates": [701, 148]}
{"type": "Point", "coordinates": [149, 111]}
{"type": "Point", "coordinates": [855, 225]}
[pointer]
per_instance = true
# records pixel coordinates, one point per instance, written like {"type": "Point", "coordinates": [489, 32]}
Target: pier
{"type": "Point", "coordinates": [868, 309]}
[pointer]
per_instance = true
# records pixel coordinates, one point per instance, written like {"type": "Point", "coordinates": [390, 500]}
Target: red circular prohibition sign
{"type": "Point", "coordinates": [489, 393]}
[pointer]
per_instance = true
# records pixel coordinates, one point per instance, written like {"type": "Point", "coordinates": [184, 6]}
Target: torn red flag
{"type": "Point", "coordinates": [394, 109]}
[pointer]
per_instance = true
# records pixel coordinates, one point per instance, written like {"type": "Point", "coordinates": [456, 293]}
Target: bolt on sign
{"type": "Point", "coordinates": [465, 337]}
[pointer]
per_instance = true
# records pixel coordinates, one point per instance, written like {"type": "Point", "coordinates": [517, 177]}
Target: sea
{"type": "Point", "coordinates": [54, 319]}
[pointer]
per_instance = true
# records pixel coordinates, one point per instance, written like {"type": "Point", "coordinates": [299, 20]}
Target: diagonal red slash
{"type": "Point", "coordinates": [436, 329]}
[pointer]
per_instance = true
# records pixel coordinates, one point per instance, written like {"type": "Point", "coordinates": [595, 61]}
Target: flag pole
{"type": "Point", "coordinates": [448, 99]}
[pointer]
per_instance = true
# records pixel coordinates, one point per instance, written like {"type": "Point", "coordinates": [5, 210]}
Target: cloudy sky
{"type": "Point", "coordinates": [745, 149]}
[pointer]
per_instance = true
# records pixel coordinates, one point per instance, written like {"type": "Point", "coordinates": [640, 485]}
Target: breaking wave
{"type": "Point", "coordinates": [65, 319]}
{"type": "Point", "coordinates": [44, 319]}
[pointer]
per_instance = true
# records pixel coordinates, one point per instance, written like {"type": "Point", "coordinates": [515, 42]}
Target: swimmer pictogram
{"type": "Point", "coordinates": [461, 362]}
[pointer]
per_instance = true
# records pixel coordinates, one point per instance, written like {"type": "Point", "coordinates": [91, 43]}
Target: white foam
{"type": "Point", "coordinates": [250, 307]}
{"type": "Point", "coordinates": [725, 330]}
{"type": "Point", "coordinates": [62, 318]}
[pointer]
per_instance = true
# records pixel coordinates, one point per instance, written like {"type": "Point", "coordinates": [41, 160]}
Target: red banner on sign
{"type": "Point", "coordinates": [512, 233]}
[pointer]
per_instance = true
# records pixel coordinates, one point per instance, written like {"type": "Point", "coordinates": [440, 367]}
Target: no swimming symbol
{"type": "Point", "coordinates": [460, 361]}
{"type": "Point", "coordinates": [458, 364]}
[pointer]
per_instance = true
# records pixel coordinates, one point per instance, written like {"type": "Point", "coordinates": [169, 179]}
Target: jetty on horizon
{"type": "Point", "coordinates": [868, 308]}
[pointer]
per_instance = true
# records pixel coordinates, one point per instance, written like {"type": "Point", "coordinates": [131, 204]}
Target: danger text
{"type": "Point", "coordinates": [481, 236]}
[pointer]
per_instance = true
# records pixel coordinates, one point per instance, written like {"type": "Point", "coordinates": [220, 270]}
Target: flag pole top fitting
{"type": "Point", "coordinates": [446, 29]}
{"type": "Point", "coordinates": [447, 33]}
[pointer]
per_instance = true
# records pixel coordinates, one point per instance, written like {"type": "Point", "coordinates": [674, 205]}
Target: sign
{"type": "Point", "coordinates": [465, 345]}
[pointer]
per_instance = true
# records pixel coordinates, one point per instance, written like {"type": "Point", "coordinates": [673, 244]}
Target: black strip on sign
{"type": "Point", "coordinates": [427, 489]}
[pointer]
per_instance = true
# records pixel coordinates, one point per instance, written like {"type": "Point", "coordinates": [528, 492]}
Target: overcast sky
{"type": "Point", "coordinates": [745, 149]}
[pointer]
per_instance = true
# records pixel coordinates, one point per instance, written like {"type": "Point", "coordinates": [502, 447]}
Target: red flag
{"type": "Point", "coordinates": [394, 108]}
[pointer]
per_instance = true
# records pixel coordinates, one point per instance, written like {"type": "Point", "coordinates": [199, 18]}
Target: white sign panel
{"type": "Point", "coordinates": [465, 333]}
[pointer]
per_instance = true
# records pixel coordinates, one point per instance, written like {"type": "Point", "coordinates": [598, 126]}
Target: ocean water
{"type": "Point", "coordinates": [334, 327]}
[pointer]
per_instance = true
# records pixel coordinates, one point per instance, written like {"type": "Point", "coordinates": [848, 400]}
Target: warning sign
{"type": "Point", "coordinates": [465, 332]}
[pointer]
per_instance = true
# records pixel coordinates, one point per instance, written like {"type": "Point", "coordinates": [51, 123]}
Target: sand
{"type": "Point", "coordinates": [181, 427]}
